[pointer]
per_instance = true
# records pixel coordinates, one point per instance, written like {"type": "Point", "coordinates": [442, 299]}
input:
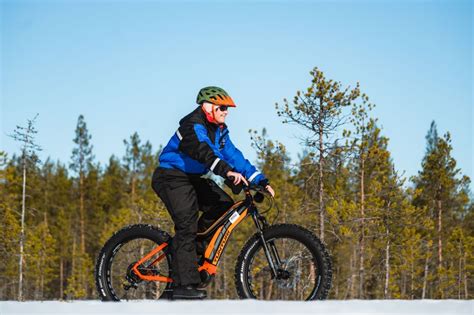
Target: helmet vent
{"type": "Point", "coordinates": [215, 95]}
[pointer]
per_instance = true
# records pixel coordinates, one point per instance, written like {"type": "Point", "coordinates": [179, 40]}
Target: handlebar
{"type": "Point", "coordinates": [236, 189]}
{"type": "Point", "coordinates": [258, 197]}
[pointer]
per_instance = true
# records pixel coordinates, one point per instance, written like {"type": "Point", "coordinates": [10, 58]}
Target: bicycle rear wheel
{"type": "Point", "coordinates": [304, 269]}
{"type": "Point", "coordinates": [115, 279]}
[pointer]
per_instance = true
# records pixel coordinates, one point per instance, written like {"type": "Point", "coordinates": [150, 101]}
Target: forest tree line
{"type": "Point", "coordinates": [389, 237]}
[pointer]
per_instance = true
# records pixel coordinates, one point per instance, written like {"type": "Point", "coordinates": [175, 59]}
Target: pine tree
{"type": "Point", "coordinates": [318, 110]}
{"type": "Point", "coordinates": [341, 210]}
{"type": "Point", "coordinates": [361, 145]}
{"type": "Point", "coordinates": [460, 249]}
{"type": "Point", "coordinates": [439, 188]}
{"type": "Point", "coordinates": [81, 164]}
{"type": "Point", "coordinates": [139, 163]}
{"type": "Point", "coordinates": [113, 198]}
{"type": "Point", "coordinates": [112, 187]}
{"type": "Point", "coordinates": [61, 203]}
{"type": "Point", "coordinates": [41, 259]}
{"type": "Point", "coordinates": [10, 226]}
{"type": "Point", "coordinates": [82, 158]}
{"type": "Point", "coordinates": [133, 163]}
{"type": "Point", "coordinates": [26, 136]}
{"type": "Point", "coordinates": [379, 198]}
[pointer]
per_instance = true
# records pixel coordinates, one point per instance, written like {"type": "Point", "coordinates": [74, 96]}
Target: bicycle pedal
{"type": "Point", "coordinates": [206, 278]}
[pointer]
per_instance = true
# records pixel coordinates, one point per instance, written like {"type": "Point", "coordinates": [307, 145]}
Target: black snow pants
{"type": "Point", "coordinates": [184, 195]}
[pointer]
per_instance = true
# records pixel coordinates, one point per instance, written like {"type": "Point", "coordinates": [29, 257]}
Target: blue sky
{"type": "Point", "coordinates": [137, 66]}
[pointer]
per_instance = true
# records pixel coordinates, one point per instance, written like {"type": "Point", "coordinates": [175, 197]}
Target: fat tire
{"type": "Point", "coordinates": [119, 238]}
{"type": "Point", "coordinates": [311, 241]}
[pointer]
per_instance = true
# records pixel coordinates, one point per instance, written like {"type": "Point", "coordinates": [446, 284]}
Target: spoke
{"type": "Point", "coordinates": [297, 276]}
{"type": "Point", "coordinates": [122, 276]}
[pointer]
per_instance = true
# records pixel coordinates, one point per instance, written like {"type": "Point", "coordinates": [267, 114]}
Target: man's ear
{"type": "Point", "coordinates": [208, 107]}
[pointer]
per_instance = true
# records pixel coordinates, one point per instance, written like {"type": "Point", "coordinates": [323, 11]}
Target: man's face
{"type": "Point", "coordinates": [220, 113]}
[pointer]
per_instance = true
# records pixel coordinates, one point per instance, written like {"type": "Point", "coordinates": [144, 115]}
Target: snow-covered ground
{"type": "Point", "coordinates": [392, 307]}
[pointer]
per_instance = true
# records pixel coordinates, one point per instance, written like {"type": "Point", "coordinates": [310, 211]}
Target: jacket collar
{"type": "Point", "coordinates": [199, 116]}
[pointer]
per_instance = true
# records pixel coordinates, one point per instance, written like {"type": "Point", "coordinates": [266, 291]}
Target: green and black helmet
{"type": "Point", "coordinates": [214, 95]}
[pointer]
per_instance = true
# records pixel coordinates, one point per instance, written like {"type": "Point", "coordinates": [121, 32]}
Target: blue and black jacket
{"type": "Point", "coordinates": [199, 146]}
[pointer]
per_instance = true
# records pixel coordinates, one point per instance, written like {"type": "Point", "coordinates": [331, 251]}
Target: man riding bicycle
{"type": "Point", "coordinates": [200, 144]}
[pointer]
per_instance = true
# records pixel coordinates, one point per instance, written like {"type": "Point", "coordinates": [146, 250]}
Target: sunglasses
{"type": "Point", "coordinates": [223, 108]}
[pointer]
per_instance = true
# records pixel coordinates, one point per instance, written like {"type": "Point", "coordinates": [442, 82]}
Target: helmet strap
{"type": "Point", "coordinates": [210, 112]}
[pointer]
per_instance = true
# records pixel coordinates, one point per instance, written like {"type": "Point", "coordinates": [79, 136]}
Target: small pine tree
{"type": "Point", "coordinates": [81, 164]}
{"type": "Point", "coordinates": [319, 111]}
{"type": "Point", "coordinates": [440, 189]}
{"type": "Point", "coordinates": [26, 136]}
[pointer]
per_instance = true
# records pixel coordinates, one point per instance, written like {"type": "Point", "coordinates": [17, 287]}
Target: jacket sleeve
{"type": "Point", "coordinates": [241, 164]}
{"type": "Point", "coordinates": [195, 143]}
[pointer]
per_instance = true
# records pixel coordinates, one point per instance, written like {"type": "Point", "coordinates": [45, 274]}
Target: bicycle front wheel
{"type": "Point", "coordinates": [301, 260]}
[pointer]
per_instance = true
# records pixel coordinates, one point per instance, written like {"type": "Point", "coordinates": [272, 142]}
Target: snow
{"type": "Point", "coordinates": [331, 307]}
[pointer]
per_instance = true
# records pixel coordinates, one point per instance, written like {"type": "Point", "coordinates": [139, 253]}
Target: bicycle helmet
{"type": "Point", "coordinates": [214, 95]}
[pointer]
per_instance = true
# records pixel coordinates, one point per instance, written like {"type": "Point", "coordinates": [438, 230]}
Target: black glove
{"type": "Point", "coordinates": [264, 182]}
{"type": "Point", "coordinates": [236, 189]}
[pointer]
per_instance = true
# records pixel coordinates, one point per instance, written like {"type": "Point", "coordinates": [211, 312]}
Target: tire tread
{"type": "Point", "coordinates": [298, 232]}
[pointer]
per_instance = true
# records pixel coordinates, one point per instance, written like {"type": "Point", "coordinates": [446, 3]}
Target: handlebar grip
{"type": "Point", "coordinates": [236, 189]}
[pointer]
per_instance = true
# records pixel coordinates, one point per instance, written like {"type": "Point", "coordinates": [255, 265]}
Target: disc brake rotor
{"type": "Point", "coordinates": [290, 272]}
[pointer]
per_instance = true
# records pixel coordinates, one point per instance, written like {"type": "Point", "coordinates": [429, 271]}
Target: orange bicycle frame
{"type": "Point", "coordinates": [222, 230]}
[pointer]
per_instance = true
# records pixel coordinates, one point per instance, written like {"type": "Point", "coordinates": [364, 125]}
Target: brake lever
{"type": "Point", "coordinates": [258, 197]}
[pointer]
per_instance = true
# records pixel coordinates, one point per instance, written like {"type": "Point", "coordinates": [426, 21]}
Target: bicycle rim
{"type": "Point", "coordinates": [299, 265]}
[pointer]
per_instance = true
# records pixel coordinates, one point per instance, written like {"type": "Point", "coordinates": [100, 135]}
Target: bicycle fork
{"type": "Point", "coordinates": [269, 247]}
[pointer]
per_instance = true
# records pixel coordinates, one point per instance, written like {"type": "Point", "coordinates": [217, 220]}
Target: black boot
{"type": "Point", "coordinates": [188, 292]}
{"type": "Point", "coordinates": [167, 294]}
